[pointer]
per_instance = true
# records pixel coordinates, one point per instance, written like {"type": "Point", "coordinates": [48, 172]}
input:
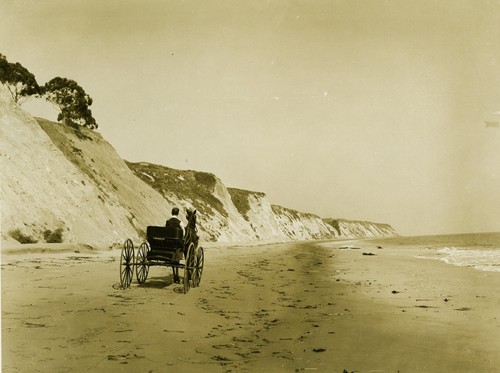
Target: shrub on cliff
{"type": "Point", "coordinates": [21, 237]}
{"type": "Point", "coordinates": [18, 80]}
{"type": "Point", "coordinates": [53, 236]}
{"type": "Point", "coordinates": [206, 179]}
{"type": "Point", "coordinates": [240, 201]}
{"type": "Point", "coordinates": [72, 101]}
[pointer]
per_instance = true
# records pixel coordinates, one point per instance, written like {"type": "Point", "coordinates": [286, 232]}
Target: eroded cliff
{"type": "Point", "coordinates": [56, 178]}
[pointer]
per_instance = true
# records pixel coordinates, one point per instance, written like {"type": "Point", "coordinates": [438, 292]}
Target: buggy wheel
{"type": "Point", "coordinates": [141, 263]}
{"type": "Point", "coordinates": [126, 263]}
{"type": "Point", "coordinates": [188, 268]}
{"type": "Point", "coordinates": [198, 267]}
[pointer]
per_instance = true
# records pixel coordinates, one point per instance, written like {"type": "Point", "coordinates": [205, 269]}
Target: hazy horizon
{"type": "Point", "coordinates": [364, 110]}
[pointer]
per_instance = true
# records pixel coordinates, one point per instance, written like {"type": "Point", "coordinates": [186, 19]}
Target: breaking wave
{"type": "Point", "coordinates": [484, 259]}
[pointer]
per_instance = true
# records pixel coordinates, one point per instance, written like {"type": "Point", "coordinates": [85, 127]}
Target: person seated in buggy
{"type": "Point", "coordinates": [175, 222]}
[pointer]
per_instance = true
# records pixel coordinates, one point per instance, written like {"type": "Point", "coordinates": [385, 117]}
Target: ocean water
{"type": "Point", "coordinates": [480, 251]}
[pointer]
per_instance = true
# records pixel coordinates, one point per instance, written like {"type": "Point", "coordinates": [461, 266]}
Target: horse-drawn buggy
{"type": "Point", "coordinates": [168, 247]}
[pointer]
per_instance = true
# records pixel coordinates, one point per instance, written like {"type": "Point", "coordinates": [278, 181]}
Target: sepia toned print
{"type": "Point", "coordinates": [331, 169]}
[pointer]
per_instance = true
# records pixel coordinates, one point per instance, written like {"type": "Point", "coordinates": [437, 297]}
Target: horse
{"type": "Point", "coordinates": [190, 237]}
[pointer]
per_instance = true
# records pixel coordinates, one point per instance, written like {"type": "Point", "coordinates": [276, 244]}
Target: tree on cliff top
{"type": "Point", "coordinates": [72, 101]}
{"type": "Point", "coordinates": [18, 80]}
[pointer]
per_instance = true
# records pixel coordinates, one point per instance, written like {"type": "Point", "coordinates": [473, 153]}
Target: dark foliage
{"type": "Point", "coordinates": [20, 237]}
{"type": "Point", "coordinates": [53, 236]}
{"type": "Point", "coordinates": [18, 80]}
{"type": "Point", "coordinates": [72, 100]}
{"type": "Point", "coordinates": [240, 201]}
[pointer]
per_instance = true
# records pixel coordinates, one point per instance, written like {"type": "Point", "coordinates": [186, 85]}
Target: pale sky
{"type": "Point", "coordinates": [369, 110]}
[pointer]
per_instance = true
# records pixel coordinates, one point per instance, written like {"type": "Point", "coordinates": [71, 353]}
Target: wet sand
{"type": "Point", "coordinates": [281, 308]}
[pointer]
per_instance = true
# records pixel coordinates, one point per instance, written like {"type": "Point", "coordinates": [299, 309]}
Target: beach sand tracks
{"type": "Point", "coordinates": [264, 332]}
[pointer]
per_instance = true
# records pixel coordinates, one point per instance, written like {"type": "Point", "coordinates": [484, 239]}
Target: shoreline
{"type": "Point", "coordinates": [280, 307]}
{"type": "Point", "coordinates": [451, 309]}
{"type": "Point", "coordinates": [9, 248]}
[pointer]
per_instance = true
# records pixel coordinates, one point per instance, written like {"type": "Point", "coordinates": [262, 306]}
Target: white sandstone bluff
{"type": "Point", "coordinates": [54, 177]}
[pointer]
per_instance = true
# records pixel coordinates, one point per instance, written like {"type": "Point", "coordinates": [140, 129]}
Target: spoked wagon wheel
{"type": "Point", "coordinates": [188, 268]}
{"type": "Point", "coordinates": [141, 263]}
{"type": "Point", "coordinates": [198, 267]}
{"type": "Point", "coordinates": [126, 264]}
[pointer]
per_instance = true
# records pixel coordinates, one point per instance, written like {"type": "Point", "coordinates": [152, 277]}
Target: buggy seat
{"type": "Point", "coordinates": [165, 242]}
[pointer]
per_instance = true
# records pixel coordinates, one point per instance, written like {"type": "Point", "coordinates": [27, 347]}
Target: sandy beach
{"type": "Point", "coordinates": [291, 307]}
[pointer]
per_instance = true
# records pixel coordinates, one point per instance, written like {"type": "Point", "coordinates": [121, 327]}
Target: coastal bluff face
{"type": "Point", "coordinates": [59, 179]}
{"type": "Point", "coordinates": [237, 215]}
{"type": "Point", "coordinates": [56, 179]}
{"type": "Point", "coordinates": [356, 228]}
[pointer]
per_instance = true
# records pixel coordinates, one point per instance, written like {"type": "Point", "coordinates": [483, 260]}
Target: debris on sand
{"type": "Point", "coordinates": [220, 358]}
{"type": "Point", "coordinates": [319, 349]}
{"type": "Point", "coordinates": [369, 254]}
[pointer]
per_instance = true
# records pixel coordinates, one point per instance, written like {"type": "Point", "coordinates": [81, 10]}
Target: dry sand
{"type": "Point", "coordinates": [284, 307]}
